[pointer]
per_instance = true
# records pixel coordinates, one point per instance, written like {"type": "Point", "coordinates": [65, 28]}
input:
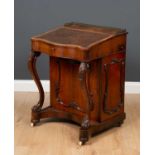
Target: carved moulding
{"type": "Point", "coordinates": [72, 104]}
{"type": "Point", "coordinates": [106, 70]}
{"type": "Point", "coordinates": [82, 77]}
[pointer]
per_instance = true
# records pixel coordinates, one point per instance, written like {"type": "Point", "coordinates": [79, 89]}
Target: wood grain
{"type": "Point", "coordinates": [82, 42]}
{"type": "Point", "coordinates": [59, 138]}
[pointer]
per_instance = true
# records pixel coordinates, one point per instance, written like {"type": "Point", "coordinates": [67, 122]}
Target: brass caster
{"type": "Point", "coordinates": [81, 143]}
{"type": "Point", "coordinates": [32, 124]}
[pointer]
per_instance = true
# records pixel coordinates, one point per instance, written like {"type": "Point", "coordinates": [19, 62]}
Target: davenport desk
{"type": "Point", "coordinates": [87, 74]}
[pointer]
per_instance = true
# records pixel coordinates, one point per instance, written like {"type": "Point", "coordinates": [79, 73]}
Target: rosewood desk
{"type": "Point", "coordinates": [87, 74]}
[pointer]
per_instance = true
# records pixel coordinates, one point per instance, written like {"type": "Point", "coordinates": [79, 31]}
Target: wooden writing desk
{"type": "Point", "coordinates": [87, 74]}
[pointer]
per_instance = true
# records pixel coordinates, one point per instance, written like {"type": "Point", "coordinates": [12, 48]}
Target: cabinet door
{"type": "Point", "coordinates": [65, 87]}
{"type": "Point", "coordinates": [113, 70]}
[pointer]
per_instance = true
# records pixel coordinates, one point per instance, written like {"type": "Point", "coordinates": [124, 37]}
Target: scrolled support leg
{"type": "Point", "coordinates": [84, 130]}
{"type": "Point", "coordinates": [32, 68]}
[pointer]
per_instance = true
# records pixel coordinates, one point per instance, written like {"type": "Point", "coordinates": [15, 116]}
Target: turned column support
{"type": "Point", "coordinates": [32, 68]}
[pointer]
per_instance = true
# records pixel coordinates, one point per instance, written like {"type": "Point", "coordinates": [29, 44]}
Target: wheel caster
{"type": "Point", "coordinates": [32, 124]}
{"type": "Point", "coordinates": [81, 143]}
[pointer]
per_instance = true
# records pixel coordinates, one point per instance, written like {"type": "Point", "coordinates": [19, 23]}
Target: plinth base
{"type": "Point", "coordinates": [93, 129]}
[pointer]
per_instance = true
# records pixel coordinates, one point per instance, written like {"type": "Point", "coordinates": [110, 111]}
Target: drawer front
{"type": "Point", "coordinates": [58, 50]}
{"type": "Point", "coordinates": [118, 44]}
{"type": "Point", "coordinates": [109, 47]}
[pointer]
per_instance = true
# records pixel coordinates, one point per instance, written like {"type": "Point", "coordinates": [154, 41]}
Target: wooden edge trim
{"type": "Point", "coordinates": [76, 46]}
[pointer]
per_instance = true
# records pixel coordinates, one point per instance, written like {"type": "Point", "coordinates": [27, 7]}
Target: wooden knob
{"type": "Point", "coordinates": [53, 49]}
{"type": "Point", "coordinates": [121, 47]}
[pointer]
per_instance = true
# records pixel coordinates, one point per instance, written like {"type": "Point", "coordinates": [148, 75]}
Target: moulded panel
{"type": "Point", "coordinates": [113, 85]}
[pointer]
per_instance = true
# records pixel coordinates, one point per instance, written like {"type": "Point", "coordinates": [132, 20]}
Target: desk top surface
{"type": "Point", "coordinates": [78, 35]}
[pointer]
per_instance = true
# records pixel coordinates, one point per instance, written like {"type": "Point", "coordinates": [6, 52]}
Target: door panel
{"type": "Point", "coordinates": [66, 92]}
{"type": "Point", "coordinates": [65, 86]}
{"type": "Point", "coordinates": [113, 85]}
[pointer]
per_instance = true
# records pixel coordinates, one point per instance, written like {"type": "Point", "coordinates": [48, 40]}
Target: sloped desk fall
{"type": "Point", "coordinates": [87, 73]}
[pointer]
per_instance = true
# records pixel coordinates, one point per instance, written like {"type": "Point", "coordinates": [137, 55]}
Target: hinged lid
{"type": "Point", "coordinates": [83, 36]}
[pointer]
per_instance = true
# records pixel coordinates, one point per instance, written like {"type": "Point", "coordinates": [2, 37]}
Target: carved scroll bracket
{"type": "Point", "coordinates": [32, 68]}
{"type": "Point", "coordinates": [83, 68]}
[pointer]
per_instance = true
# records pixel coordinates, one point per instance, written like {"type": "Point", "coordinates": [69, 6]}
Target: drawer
{"type": "Point", "coordinates": [109, 47]}
{"type": "Point", "coordinates": [118, 44]}
{"type": "Point", "coordinates": [58, 51]}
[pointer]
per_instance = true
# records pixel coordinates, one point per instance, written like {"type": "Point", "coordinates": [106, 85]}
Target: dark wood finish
{"type": "Point", "coordinates": [87, 74]}
{"type": "Point", "coordinates": [32, 69]}
{"type": "Point", "coordinates": [80, 42]}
